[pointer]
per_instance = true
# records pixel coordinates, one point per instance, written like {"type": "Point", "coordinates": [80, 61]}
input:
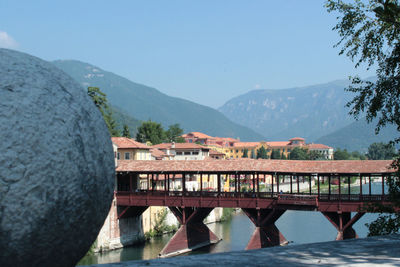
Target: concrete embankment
{"type": "Point", "coordinates": [383, 251]}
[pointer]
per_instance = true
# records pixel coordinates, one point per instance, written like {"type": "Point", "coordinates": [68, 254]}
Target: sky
{"type": "Point", "coordinates": [205, 51]}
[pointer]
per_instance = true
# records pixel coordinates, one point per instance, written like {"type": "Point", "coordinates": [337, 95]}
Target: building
{"type": "Point", "coordinates": [184, 151]}
{"type": "Point", "coordinates": [129, 149]}
{"type": "Point", "coordinates": [157, 154]}
{"type": "Point", "coordinates": [325, 151]}
{"type": "Point", "coordinates": [234, 148]}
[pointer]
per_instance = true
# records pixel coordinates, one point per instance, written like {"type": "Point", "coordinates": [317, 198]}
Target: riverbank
{"type": "Point", "coordinates": [382, 250]}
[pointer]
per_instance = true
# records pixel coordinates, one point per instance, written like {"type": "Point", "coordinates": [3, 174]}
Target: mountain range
{"type": "Point", "coordinates": [143, 103]}
{"type": "Point", "coordinates": [309, 112]}
{"type": "Point", "coordinates": [317, 113]}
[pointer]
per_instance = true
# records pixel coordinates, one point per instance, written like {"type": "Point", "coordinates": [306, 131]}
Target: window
{"type": "Point", "coordinates": [190, 141]}
{"type": "Point", "coordinates": [179, 153]}
{"type": "Point", "coordinates": [237, 150]}
{"type": "Point", "coordinates": [195, 152]}
{"type": "Point", "coordinates": [127, 155]}
{"type": "Point", "coordinates": [118, 155]}
{"type": "Point", "coordinates": [187, 152]}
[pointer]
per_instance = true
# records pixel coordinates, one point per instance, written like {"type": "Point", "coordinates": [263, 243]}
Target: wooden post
{"type": "Point", "coordinates": [291, 183]}
{"type": "Point", "coordinates": [201, 184]}
{"type": "Point", "coordinates": [254, 182]}
{"type": "Point", "coordinates": [298, 184]}
{"type": "Point", "coordinates": [383, 184]}
{"type": "Point", "coordinates": [340, 185]}
{"type": "Point", "coordinates": [183, 183]}
{"type": "Point", "coordinates": [329, 186]}
{"type": "Point", "coordinates": [318, 184]}
{"type": "Point", "coordinates": [239, 185]}
{"type": "Point", "coordinates": [348, 181]}
{"type": "Point", "coordinates": [258, 185]}
{"type": "Point", "coordinates": [360, 185]}
{"type": "Point", "coordinates": [277, 183]}
{"type": "Point", "coordinates": [369, 184]}
{"type": "Point", "coordinates": [272, 185]}
{"type": "Point", "coordinates": [219, 183]}
{"type": "Point", "coordinates": [130, 182]}
{"type": "Point", "coordinates": [309, 182]}
{"type": "Point", "coordinates": [168, 182]}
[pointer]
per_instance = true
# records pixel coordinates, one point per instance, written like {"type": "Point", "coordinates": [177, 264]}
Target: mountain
{"type": "Point", "coordinates": [122, 118]}
{"type": "Point", "coordinates": [144, 103]}
{"type": "Point", "coordinates": [309, 112]}
{"type": "Point", "coordinates": [358, 136]}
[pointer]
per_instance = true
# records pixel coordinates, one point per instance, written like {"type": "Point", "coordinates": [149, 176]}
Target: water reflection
{"type": "Point", "coordinates": [299, 227]}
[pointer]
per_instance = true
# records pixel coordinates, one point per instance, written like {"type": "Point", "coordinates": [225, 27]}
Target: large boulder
{"type": "Point", "coordinates": [56, 165]}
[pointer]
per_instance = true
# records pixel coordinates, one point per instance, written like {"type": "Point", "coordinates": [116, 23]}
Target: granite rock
{"type": "Point", "coordinates": [56, 165]}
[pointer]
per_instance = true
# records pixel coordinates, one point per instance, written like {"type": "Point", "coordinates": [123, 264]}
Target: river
{"type": "Point", "coordinates": [299, 227]}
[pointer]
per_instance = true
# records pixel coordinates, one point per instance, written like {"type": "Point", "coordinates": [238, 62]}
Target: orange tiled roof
{"type": "Point", "coordinates": [318, 146]}
{"type": "Point", "coordinates": [198, 135]}
{"type": "Point", "coordinates": [155, 152]}
{"type": "Point", "coordinates": [282, 166]}
{"type": "Point", "coordinates": [214, 152]}
{"type": "Point", "coordinates": [228, 139]}
{"type": "Point", "coordinates": [124, 142]}
{"type": "Point", "coordinates": [246, 144]}
{"type": "Point", "coordinates": [179, 146]}
{"type": "Point", "coordinates": [278, 143]}
{"type": "Point", "coordinates": [297, 139]}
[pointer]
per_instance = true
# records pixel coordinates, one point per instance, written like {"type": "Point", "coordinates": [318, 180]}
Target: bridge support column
{"type": "Point", "coordinates": [344, 223]}
{"type": "Point", "coordinates": [192, 234]}
{"type": "Point", "coordinates": [266, 233]}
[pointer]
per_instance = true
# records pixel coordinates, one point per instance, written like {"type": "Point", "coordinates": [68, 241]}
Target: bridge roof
{"type": "Point", "coordinates": [251, 165]}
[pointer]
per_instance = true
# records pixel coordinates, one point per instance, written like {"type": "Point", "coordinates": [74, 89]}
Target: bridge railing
{"type": "Point", "coordinates": [281, 197]}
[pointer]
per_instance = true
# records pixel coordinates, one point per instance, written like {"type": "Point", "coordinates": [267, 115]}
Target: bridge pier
{"type": "Point", "coordinates": [343, 223]}
{"type": "Point", "coordinates": [266, 233]}
{"type": "Point", "coordinates": [192, 234]}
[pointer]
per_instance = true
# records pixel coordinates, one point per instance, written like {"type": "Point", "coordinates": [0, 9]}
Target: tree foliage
{"type": "Point", "coordinates": [174, 134]}
{"type": "Point", "coordinates": [150, 131]}
{"type": "Point", "coordinates": [126, 132]}
{"type": "Point", "coordinates": [370, 34]}
{"type": "Point", "coordinates": [245, 153]}
{"type": "Point", "coordinates": [262, 153]}
{"type": "Point", "coordinates": [100, 100]}
{"type": "Point", "coordinates": [381, 150]}
{"type": "Point", "coordinates": [275, 154]}
{"type": "Point", "coordinates": [346, 155]}
{"type": "Point", "coordinates": [299, 153]}
{"type": "Point", "coordinates": [153, 132]}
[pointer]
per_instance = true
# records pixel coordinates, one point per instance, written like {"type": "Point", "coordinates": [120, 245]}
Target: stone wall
{"type": "Point", "coordinates": [118, 233]}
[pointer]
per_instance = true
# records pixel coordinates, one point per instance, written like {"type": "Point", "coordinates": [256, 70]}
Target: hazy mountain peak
{"type": "Point", "coordinates": [143, 103]}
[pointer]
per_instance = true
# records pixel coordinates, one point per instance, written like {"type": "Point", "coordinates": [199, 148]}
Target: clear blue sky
{"type": "Point", "coordinates": [206, 51]}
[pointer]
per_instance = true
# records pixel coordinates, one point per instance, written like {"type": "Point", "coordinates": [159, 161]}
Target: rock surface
{"type": "Point", "coordinates": [372, 251]}
{"type": "Point", "coordinates": [57, 166]}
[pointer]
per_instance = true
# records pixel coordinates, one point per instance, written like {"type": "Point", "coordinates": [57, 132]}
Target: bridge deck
{"type": "Point", "coordinates": [323, 203]}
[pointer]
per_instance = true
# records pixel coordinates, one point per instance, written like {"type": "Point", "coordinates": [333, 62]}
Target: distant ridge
{"type": "Point", "coordinates": [309, 112]}
{"type": "Point", "coordinates": [143, 103]}
{"type": "Point", "coordinates": [358, 136]}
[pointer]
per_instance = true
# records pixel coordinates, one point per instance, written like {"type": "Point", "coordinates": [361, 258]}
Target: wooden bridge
{"type": "Point", "coordinates": [263, 189]}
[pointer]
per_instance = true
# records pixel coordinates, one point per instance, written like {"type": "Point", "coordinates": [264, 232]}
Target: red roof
{"type": "Point", "coordinates": [278, 143]}
{"type": "Point", "coordinates": [216, 153]}
{"type": "Point", "coordinates": [158, 153]}
{"type": "Point", "coordinates": [198, 135]}
{"type": "Point", "coordinates": [180, 146]}
{"type": "Point", "coordinates": [124, 142]}
{"type": "Point", "coordinates": [282, 166]}
{"type": "Point", "coordinates": [246, 144]}
{"type": "Point", "coordinates": [297, 139]}
{"type": "Point", "coordinates": [318, 146]}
